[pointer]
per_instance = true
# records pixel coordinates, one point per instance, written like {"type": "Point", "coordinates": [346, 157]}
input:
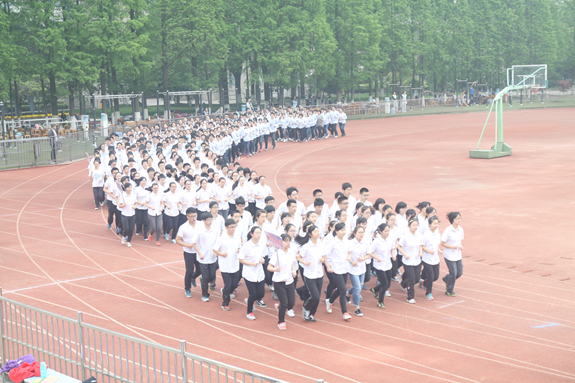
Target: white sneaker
{"type": "Point", "coordinates": [412, 301]}
{"type": "Point", "coordinates": [290, 313]}
{"type": "Point", "coordinates": [387, 293]}
{"type": "Point", "coordinates": [328, 306]}
{"type": "Point", "coordinates": [129, 244]}
{"type": "Point", "coordinates": [123, 240]}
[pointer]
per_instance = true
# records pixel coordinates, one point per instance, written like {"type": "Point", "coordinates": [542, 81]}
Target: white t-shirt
{"type": "Point", "coordinates": [452, 237]}
{"type": "Point", "coordinates": [252, 252]}
{"type": "Point", "coordinates": [222, 194]}
{"type": "Point", "coordinates": [410, 244]}
{"type": "Point", "coordinates": [285, 260]}
{"type": "Point", "coordinates": [357, 250]}
{"type": "Point", "coordinates": [431, 241]}
{"type": "Point", "coordinates": [242, 191]}
{"type": "Point", "coordinates": [337, 251]}
{"type": "Point", "coordinates": [129, 200]}
{"type": "Point", "coordinates": [188, 199]}
{"type": "Point", "coordinates": [97, 177]}
{"type": "Point", "coordinates": [312, 253]}
{"type": "Point", "coordinates": [260, 194]}
{"type": "Point", "coordinates": [187, 233]}
{"type": "Point", "coordinates": [231, 246]}
{"type": "Point", "coordinates": [155, 200]}
{"type": "Point", "coordinates": [205, 241]}
{"type": "Point", "coordinates": [172, 199]}
{"type": "Point", "coordinates": [382, 249]}
{"type": "Point", "coordinates": [203, 195]}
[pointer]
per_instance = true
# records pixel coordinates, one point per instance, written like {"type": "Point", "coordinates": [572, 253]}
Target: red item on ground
{"type": "Point", "coordinates": [24, 371]}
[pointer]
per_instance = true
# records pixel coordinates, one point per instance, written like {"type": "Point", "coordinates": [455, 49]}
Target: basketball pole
{"type": "Point", "coordinates": [500, 148]}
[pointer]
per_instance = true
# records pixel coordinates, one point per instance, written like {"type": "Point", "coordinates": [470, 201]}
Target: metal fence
{"type": "Point", "coordinates": [81, 350]}
{"type": "Point", "coordinates": [28, 152]}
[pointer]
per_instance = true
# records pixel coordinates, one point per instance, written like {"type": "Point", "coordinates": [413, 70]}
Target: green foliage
{"type": "Point", "coordinates": [51, 49]}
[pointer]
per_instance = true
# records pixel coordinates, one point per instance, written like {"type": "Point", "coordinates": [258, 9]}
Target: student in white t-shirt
{"type": "Point", "coordinates": [431, 241]}
{"type": "Point", "coordinates": [261, 191]}
{"type": "Point", "coordinates": [227, 248]}
{"type": "Point", "coordinates": [97, 176]}
{"type": "Point", "coordinates": [282, 266]}
{"type": "Point", "coordinates": [383, 252]}
{"type": "Point", "coordinates": [410, 248]}
{"type": "Point", "coordinates": [185, 238]}
{"type": "Point", "coordinates": [451, 242]}
{"type": "Point", "coordinates": [252, 257]}
{"type": "Point", "coordinates": [127, 205]}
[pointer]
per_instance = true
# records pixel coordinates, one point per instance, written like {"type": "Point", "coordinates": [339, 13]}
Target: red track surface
{"type": "Point", "coordinates": [513, 319]}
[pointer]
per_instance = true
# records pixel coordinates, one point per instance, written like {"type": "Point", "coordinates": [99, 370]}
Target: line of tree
{"type": "Point", "coordinates": [54, 48]}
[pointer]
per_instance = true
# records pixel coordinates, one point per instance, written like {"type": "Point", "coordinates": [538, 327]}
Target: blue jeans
{"type": "Point", "coordinates": [356, 282]}
{"type": "Point", "coordinates": [342, 128]}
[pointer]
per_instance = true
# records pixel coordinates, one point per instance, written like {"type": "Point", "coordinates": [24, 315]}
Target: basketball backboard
{"type": "Point", "coordinates": [533, 76]}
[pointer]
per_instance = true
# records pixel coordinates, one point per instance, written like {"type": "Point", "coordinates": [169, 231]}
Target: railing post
{"type": "Point", "coordinates": [81, 338]}
{"type": "Point", "coordinates": [3, 357]}
{"type": "Point", "coordinates": [184, 361]}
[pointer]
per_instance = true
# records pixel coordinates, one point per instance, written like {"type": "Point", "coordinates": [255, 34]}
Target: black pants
{"type": "Point", "coordinates": [367, 276]}
{"type": "Point", "coordinates": [286, 295]}
{"type": "Point", "coordinates": [192, 269]}
{"type": "Point", "coordinates": [182, 219]}
{"type": "Point", "coordinates": [302, 291]}
{"type": "Point", "coordinates": [384, 282]}
{"type": "Point", "coordinates": [230, 283]}
{"type": "Point", "coordinates": [455, 271]}
{"type": "Point", "coordinates": [98, 195]}
{"type": "Point", "coordinates": [337, 288]}
{"type": "Point", "coordinates": [208, 275]}
{"type": "Point", "coordinates": [395, 265]}
{"type": "Point", "coordinates": [252, 209]}
{"type": "Point", "coordinates": [411, 275]}
{"type": "Point", "coordinates": [268, 274]}
{"type": "Point", "coordinates": [128, 224]}
{"type": "Point", "coordinates": [114, 212]}
{"type": "Point", "coordinates": [314, 288]}
{"type": "Point", "coordinates": [142, 224]}
{"type": "Point", "coordinates": [172, 224]}
{"type": "Point", "coordinates": [224, 213]}
{"type": "Point", "coordinates": [430, 275]}
{"type": "Point", "coordinates": [256, 292]}
{"type": "Point", "coordinates": [53, 149]}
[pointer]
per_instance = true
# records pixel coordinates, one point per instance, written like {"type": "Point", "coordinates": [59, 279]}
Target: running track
{"type": "Point", "coordinates": [514, 315]}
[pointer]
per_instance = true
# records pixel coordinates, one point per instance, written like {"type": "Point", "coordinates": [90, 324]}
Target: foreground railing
{"type": "Point", "coordinates": [81, 350]}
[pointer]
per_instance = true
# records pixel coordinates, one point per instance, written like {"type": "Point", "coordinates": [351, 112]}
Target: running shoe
{"type": "Point", "coordinates": [312, 319]}
{"type": "Point", "coordinates": [429, 297]}
{"type": "Point", "coordinates": [96, 208]}
{"type": "Point", "coordinates": [150, 238]}
{"type": "Point", "coordinates": [159, 244]}
{"type": "Point", "coordinates": [275, 296]}
{"type": "Point", "coordinates": [271, 287]}
{"type": "Point", "coordinates": [173, 241]}
{"type": "Point", "coordinates": [358, 312]}
{"type": "Point", "coordinates": [205, 299]}
{"type": "Point", "coordinates": [261, 303]}
{"type": "Point", "coordinates": [404, 289]}
{"type": "Point", "coordinates": [305, 314]}
{"type": "Point", "coordinates": [277, 306]}
{"type": "Point", "coordinates": [421, 283]}
{"type": "Point", "coordinates": [412, 301]}
{"type": "Point", "coordinates": [346, 316]}
{"type": "Point", "coordinates": [387, 293]}
{"type": "Point", "coordinates": [363, 287]}
{"type": "Point", "coordinates": [381, 305]}
{"type": "Point", "coordinates": [282, 326]}
{"type": "Point", "coordinates": [395, 279]}
{"type": "Point", "coordinates": [375, 293]}
{"type": "Point", "coordinates": [226, 308]}
{"type": "Point", "coordinates": [291, 313]}
{"type": "Point", "coordinates": [193, 280]}
{"type": "Point", "coordinates": [251, 316]}
{"type": "Point", "coordinates": [123, 240]}
{"type": "Point", "coordinates": [137, 233]}
{"type": "Point", "coordinates": [109, 226]}
{"type": "Point", "coordinates": [118, 230]}
{"type": "Point", "coordinates": [146, 238]}
{"type": "Point", "coordinates": [188, 293]}
{"type": "Point", "coordinates": [328, 306]}
{"type": "Point", "coordinates": [212, 287]}
{"type": "Point", "coordinates": [128, 244]}
{"type": "Point", "coordinates": [167, 237]}
{"type": "Point", "coordinates": [450, 293]}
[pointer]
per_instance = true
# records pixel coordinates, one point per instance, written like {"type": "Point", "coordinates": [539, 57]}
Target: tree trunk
{"type": "Point", "coordinates": [71, 104]}
{"type": "Point", "coordinates": [115, 88]}
{"type": "Point", "coordinates": [17, 100]}
{"type": "Point", "coordinates": [238, 81]}
{"type": "Point", "coordinates": [53, 96]}
{"type": "Point", "coordinates": [45, 109]}
{"type": "Point", "coordinates": [103, 89]}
